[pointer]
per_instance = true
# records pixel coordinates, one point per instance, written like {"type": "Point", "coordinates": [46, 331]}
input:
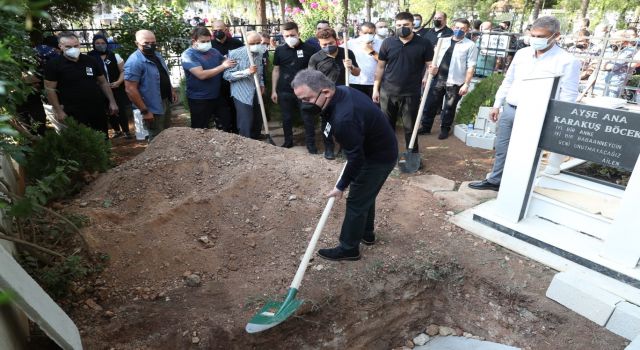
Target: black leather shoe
{"type": "Point", "coordinates": [337, 254]}
{"type": "Point", "coordinates": [287, 145]}
{"type": "Point", "coordinates": [328, 154]}
{"type": "Point", "coordinates": [312, 150]}
{"type": "Point", "coordinates": [484, 185]}
{"type": "Point", "coordinates": [444, 133]}
{"type": "Point", "coordinates": [424, 131]}
{"type": "Point", "coordinates": [369, 238]}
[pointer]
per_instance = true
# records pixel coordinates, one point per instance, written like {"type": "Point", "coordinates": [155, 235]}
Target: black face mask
{"type": "Point", "coordinates": [615, 47]}
{"type": "Point", "coordinates": [437, 23]}
{"type": "Point", "coordinates": [311, 108]}
{"type": "Point", "coordinates": [403, 32]}
{"type": "Point", "coordinates": [149, 49]}
{"type": "Point", "coordinates": [330, 49]}
{"type": "Point", "coordinates": [218, 34]}
{"type": "Point", "coordinates": [581, 46]}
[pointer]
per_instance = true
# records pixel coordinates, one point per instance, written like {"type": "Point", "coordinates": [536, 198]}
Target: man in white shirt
{"type": "Point", "coordinates": [452, 72]}
{"type": "Point", "coordinates": [365, 47]}
{"type": "Point", "coordinates": [382, 30]}
{"type": "Point", "coordinates": [542, 58]}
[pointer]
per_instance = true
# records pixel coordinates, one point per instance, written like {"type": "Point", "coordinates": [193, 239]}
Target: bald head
{"type": "Point", "coordinates": [486, 26]}
{"type": "Point", "coordinates": [146, 41]}
{"type": "Point", "coordinates": [218, 25]}
{"type": "Point", "coordinates": [253, 38]}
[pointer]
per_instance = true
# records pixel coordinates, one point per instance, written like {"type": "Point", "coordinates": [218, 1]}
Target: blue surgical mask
{"type": "Point", "coordinates": [539, 44]}
{"type": "Point", "coordinates": [458, 33]}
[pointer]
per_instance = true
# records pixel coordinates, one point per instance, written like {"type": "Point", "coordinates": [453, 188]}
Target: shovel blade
{"type": "Point", "coordinates": [270, 140]}
{"type": "Point", "coordinates": [409, 162]}
{"type": "Point", "coordinates": [272, 314]}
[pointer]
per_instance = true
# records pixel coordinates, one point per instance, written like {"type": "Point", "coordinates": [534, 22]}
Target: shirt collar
{"type": "Point", "coordinates": [338, 95]}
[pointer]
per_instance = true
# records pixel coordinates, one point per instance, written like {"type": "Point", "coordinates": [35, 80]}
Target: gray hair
{"type": "Point", "coordinates": [315, 80]}
{"type": "Point", "coordinates": [549, 23]}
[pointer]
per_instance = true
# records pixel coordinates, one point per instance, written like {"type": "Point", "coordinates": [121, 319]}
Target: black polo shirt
{"type": "Point", "coordinates": [363, 131]}
{"type": "Point", "coordinates": [291, 61]}
{"type": "Point", "coordinates": [433, 35]}
{"type": "Point", "coordinates": [227, 45]}
{"type": "Point", "coordinates": [422, 32]}
{"type": "Point", "coordinates": [332, 68]}
{"type": "Point", "coordinates": [77, 81]}
{"type": "Point", "coordinates": [405, 65]}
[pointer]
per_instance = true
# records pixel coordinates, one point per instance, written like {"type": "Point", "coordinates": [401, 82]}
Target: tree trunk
{"type": "Point", "coordinates": [345, 9]}
{"type": "Point", "coordinates": [367, 9]}
{"type": "Point", "coordinates": [282, 5]}
{"type": "Point", "coordinates": [536, 9]}
{"type": "Point", "coordinates": [584, 7]}
{"type": "Point", "coordinates": [262, 12]}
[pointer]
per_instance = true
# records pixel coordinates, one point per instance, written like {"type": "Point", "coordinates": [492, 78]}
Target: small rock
{"type": "Point", "coordinates": [204, 239]}
{"type": "Point", "coordinates": [450, 213]}
{"type": "Point", "coordinates": [446, 331]}
{"type": "Point", "coordinates": [409, 344]}
{"type": "Point", "coordinates": [318, 267]}
{"type": "Point", "coordinates": [109, 314]}
{"type": "Point", "coordinates": [83, 204]}
{"type": "Point", "coordinates": [467, 334]}
{"type": "Point", "coordinates": [186, 274]}
{"type": "Point", "coordinates": [421, 339]}
{"type": "Point", "coordinates": [433, 330]}
{"type": "Point", "coordinates": [193, 281]}
{"type": "Point", "coordinates": [293, 197]}
{"type": "Point", "coordinates": [92, 304]}
{"type": "Point", "coordinates": [195, 340]}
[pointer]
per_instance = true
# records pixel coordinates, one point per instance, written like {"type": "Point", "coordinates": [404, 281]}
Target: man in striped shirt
{"type": "Point", "coordinates": [243, 89]}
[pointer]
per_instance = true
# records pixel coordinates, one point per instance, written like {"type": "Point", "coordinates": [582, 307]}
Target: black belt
{"type": "Point", "coordinates": [512, 106]}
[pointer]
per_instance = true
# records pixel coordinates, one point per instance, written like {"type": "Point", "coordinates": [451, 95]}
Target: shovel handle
{"type": "Point", "coordinates": [346, 54]}
{"type": "Point", "coordinates": [423, 98]}
{"type": "Point", "coordinates": [256, 81]}
{"type": "Point", "coordinates": [314, 239]}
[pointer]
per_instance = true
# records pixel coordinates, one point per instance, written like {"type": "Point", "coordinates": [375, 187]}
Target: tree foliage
{"type": "Point", "coordinates": [311, 11]}
{"type": "Point", "coordinates": [483, 94]}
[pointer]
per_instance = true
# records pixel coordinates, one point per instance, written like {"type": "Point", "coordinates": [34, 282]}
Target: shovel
{"type": "Point", "coordinates": [346, 55]}
{"type": "Point", "coordinates": [274, 313]}
{"type": "Point", "coordinates": [257, 83]}
{"type": "Point", "coordinates": [409, 162]}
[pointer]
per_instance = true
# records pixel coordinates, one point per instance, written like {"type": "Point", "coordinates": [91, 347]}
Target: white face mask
{"type": "Point", "coordinates": [256, 48]}
{"type": "Point", "coordinates": [367, 37]}
{"type": "Point", "coordinates": [291, 41]}
{"type": "Point", "coordinates": [539, 44]}
{"type": "Point", "coordinates": [383, 32]}
{"type": "Point", "coordinates": [203, 47]}
{"type": "Point", "coordinates": [73, 52]}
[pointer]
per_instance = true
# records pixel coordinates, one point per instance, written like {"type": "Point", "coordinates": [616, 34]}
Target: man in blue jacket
{"type": "Point", "coordinates": [146, 80]}
{"type": "Point", "coordinates": [370, 145]}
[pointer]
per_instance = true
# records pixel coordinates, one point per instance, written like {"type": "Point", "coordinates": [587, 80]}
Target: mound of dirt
{"type": "Point", "coordinates": [203, 227]}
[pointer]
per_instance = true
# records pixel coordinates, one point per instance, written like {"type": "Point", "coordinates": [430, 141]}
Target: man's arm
{"type": "Point", "coordinates": [467, 80]}
{"type": "Point", "coordinates": [275, 75]}
{"type": "Point", "coordinates": [569, 82]}
{"type": "Point", "coordinates": [106, 89]}
{"type": "Point", "coordinates": [52, 97]}
{"type": "Point", "coordinates": [131, 87]}
{"type": "Point", "coordinates": [204, 74]}
{"type": "Point", "coordinates": [378, 80]}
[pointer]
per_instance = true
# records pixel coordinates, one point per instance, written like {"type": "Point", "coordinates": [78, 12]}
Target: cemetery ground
{"type": "Point", "coordinates": [203, 227]}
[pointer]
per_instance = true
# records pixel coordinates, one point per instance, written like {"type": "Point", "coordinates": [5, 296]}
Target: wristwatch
{"type": "Point", "coordinates": [144, 111]}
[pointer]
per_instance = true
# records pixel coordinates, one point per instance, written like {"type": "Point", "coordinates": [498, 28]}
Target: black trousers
{"type": "Point", "coordinates": [203, 111]}
{"type": "Point", "coordinates": [31, 112]}
{"type": "Point", "coordinates": [289, 107]}
{"type": "Point", "coordinates": [91, 115]}
{"type": "Point", "coordinates": [225, 112]}
{"type": "Point", "coordinates": [361, 204]}
{"type": "Point", "coordinates": [405, 108]}
{"type": "Point", "coordinates": [120, 121]}
{"type": "Point", "coordinates": [366, 89]}
{"type": "Point", "coordinates": [310, 133]}
{"type": "Point", "coordinates": [439, 91]}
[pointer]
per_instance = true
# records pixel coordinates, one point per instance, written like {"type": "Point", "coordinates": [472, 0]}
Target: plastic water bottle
{"type": "Point", "coordinates": [469, 127]}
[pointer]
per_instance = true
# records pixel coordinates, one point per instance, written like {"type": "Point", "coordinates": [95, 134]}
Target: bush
{"type": "Point", "coordinates": [78, 143]}
{"type": "Point", "coordinates": [483, 94]}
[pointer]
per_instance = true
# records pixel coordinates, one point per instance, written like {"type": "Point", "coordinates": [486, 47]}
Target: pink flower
{"type": "Point", "coordinates": [296, 10]}
{"type": "Point", "coordinates": [314, 5]}
{"type": "Point", "coordinates": [335, 2]}
{"type": "Point", "coordinates": [302, 1]}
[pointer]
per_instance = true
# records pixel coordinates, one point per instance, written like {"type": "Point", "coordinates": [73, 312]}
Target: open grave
{"type": "Point", "coordinates": [203, 227]}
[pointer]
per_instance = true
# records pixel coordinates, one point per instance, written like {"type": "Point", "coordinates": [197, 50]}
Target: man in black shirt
{"type": "Point", "coordinates": [401, 73]}
{"type": "Point", "coordinates": [331, 62]}
{"type": "Point", "coordinates": [288, 60]}
{"type": "Point", "coordinates": [76, 86]}
{"type": "Point", "coordinates": [224, 42]}
{"type": "Point", "coordinates": [440, 29]}
{"type": "Point", "coordinates": [370, 146]}
{"type": "Point", "coordinates": [419, 26]}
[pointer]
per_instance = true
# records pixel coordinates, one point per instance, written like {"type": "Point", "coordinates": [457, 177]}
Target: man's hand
{"type": "Point", "coordinates": [494, 114]}
{"type": "Point", "coordinates": [274, 97]}
{"type": "Point", "coordinates": [262, 90]}
{"type": "Point", "coordinates": [60, 114]}
{"type": "Point", "coordinates": [376, 96]}
{"type": "Point", "coordinates": [113, 108]}
{"type": "Point", "coordinates": [253, 69]}
{"type": "Point", "coordinates": [147, 116]}
{"type": "Point", "coordinates": [228, 63]}
{"type": "Point", "coordinates": [433, 70]}
{"type": "Point", "coordinates": [174, 96]}
{"type": "Point", "coordinates": [335, 193]}
{"type": "Point", "coordinates": [348, 64]}
{"type": "Point", "coordinates": [463, 89]}
{"type": "Point", "coordinates": [115, 84]}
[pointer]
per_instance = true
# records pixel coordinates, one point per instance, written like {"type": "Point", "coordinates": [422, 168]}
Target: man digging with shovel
{"type": "Point", "coordinates": [370, 145]}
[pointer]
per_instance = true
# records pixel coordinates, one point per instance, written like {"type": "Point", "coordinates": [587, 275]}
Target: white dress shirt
{"type": "Point", "coordinates": [366, 62]}
{"type": "Point", "coordinates": [526, 65]}
{"type": "Point", "coordinates": [464, 56]}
